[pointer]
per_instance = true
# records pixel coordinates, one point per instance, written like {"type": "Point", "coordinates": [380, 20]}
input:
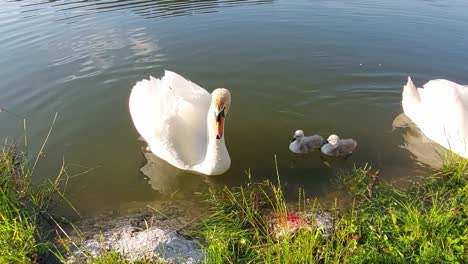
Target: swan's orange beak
{"type": "Point", "coordinates": [220, 125]}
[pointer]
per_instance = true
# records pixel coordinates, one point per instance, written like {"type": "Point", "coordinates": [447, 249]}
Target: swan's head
{"type": "Point", "coordinates": [298, 135]}
{"type": "Point", "coordinates": [221, 101]}
{"type": "Point", "coordinates": [333, 139]}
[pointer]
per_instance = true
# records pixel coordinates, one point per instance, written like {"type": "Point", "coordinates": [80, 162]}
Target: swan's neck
{"type": "Point", "coordinates": [217, 159]}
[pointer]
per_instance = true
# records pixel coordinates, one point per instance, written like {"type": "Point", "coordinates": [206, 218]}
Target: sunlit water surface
{"type": "Point", "coordinates": [330, 66]}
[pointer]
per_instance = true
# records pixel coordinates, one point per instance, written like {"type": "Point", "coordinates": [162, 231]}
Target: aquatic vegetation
{"type": "Point", "coordinates": [427, 223]}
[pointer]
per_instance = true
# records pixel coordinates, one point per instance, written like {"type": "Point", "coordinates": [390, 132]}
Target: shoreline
{"type": "Point", "coordinates": [251, 223]}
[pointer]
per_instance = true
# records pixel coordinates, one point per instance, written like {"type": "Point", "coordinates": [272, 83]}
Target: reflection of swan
{"type": "Point", "coordinates": [302, 144]}
{"type": "Point", "coordinates": [338, 147]}
{"type": "Point", "coordinates": [167, 180]}
{"type": "Point", "coordinates": [440, 110]}
{"type": "Point", "coordinates": [182, 123]}
{"type": "Point", "coordinates": [425, 151]}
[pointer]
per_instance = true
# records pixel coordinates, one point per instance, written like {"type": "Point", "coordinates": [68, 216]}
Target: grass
{"type": "Point", "coordinates": [21, 207]}
{"type": "Point", "coordinates": [17, 229]}
{"type": "Point", "coordinates": [26, 221]}
{"type": "Point", "coordinates": [113, 257]}
{"type": "Point", "coordinates": [428, 223]}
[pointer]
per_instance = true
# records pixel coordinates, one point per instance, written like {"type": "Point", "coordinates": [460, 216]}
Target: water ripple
{"type": "Point", "coordinates": [148, 8]}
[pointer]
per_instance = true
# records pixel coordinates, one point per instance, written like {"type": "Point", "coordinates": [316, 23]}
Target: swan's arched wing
{"type": "Point", "coordinates": [170, 114]}
{"type": "Point", "coordinates": [185, 89]}
{"type": "Point", "coordinates": [189, 128]}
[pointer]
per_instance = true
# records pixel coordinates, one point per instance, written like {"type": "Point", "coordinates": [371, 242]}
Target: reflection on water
{"type": "Point", "coordinates": [425, 152]}
{"type": "Point", "coordinates": [107, 51]}
{"type": "Point", "coordinates": [169, 180]}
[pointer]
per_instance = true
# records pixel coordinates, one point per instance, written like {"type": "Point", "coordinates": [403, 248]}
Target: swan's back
{"type": "Point", "coordinates": [444, 92]}
{"type": "Point", "coordinates": [441, 113]}
{"type": "Point", "coordinates": [170, 114]}
{"type": "Point", "coordinates": [313, 142]}
{"type": "Point", "coordinates": [347, 146]}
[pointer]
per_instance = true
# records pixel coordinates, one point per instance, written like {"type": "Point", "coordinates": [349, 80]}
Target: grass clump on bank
{"type": "Point", "coordinates": [428, 223]}
{"type": "Point", "coordinates": [18, 242]}
{"type": "Point", "coordinates": [26, 222]}
{"type": "Point", "coordinates": [21, 241]}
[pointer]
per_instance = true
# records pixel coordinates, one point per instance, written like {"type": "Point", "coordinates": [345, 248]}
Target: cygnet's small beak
{"type": "Point", "coordinates": [219, 124]}
{"type": "Point", "coordinates": [293, 139]}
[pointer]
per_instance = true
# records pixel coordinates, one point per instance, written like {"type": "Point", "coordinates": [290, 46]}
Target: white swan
{"type": "Point", "coordinates": [182, 123]}
{"type": "Point", "coordinates": [337, 147]}
{"type": "Point", "coordinates": [301, 144]}
{"type": "Point", "coordinates": [440, 110]}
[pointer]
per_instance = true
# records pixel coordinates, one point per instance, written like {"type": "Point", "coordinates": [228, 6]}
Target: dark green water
{"type": "Point", "coordinates": [325, 67]}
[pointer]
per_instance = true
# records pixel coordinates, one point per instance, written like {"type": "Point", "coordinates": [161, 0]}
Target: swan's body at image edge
{"type": "Point", "coordinates": [440, 110]}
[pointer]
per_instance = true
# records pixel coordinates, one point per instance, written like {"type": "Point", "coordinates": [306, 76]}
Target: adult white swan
{"type": "Point", "coordinates": [440, 110]}
{"type": "Point", "coordinates": [182, 123]}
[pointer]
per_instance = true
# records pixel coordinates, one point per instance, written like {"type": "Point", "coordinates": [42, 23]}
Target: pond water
{"type": "Point", "coordinates": [324, 66]}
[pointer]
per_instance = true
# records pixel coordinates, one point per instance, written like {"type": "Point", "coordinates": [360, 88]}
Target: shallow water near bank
{"type": "Point", "coordinates": [321, 66]}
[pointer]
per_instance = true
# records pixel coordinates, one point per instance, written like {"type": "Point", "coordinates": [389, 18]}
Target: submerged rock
{"type": "Point", "coordinates": [144, 235]}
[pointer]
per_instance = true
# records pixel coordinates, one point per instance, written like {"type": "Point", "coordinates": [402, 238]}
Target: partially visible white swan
{"type": "Point", "coordinates": [301, 144]}
{"type": "Point", "coordinates": [182, 123]}
{"type": "Point", "coordinates": [337, 147]}
{"type": "Point", "coordinates": [440, 110]}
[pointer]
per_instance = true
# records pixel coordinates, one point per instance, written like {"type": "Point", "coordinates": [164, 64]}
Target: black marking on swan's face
{"type": "Point", "coordinates": [219, 115]}
{"type": "Point", "coordinates": [219, 118]}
